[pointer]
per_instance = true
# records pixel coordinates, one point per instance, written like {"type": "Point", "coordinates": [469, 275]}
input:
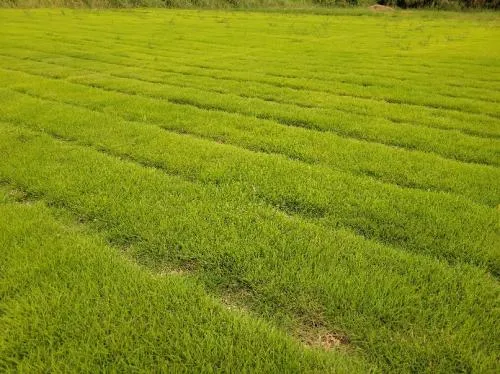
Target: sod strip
{"type": "Point", "coordinates": [473, 124]}
{"type": "Point", "coordinates": [410, 169]}
{"type": "Point", "coordinates": [341, 83]}
{"type": "Point", "coordinates": [387, 213]}
{"type": "Point", "coordinates": [450, 144]}
{"type": "Point", "coordinates": [71, 303]}
{"type": "Point", "coordinates": [171, 40]}
{"type": "Point", "coordinates": [174, 40]}
{"type": "Point", "coordinates": [180, 66]}
{"type": "Point", "coordinates": [406, 312]}
{"type": "Point", "coordinates": [463, 89]}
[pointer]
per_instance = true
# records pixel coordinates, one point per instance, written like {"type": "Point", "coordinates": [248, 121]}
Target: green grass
{"type": "Point", "coordinates": [205, 191]}
{"type": "Point", "coordinates": [81, 307]}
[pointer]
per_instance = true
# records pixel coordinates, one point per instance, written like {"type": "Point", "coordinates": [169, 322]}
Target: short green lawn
{"type": "Point", "coordinates": [208, 191]}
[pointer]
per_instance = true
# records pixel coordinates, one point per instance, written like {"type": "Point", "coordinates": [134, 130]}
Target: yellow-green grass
{"type": "Point", "coordinates": [318, 175]}
{"type": "Point", "coordinates": [71, 303]}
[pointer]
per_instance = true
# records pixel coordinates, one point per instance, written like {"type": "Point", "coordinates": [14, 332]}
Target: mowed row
{"type": "Point", "coordinates": [337, 177]}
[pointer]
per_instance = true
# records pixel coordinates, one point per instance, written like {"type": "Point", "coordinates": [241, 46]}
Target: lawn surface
{"type": "Point", "coordinates": [208, 191]}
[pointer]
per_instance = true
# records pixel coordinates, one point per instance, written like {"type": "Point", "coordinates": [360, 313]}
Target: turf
{"type": "Point", "coordinates": [81, 306]}
{"type": "Point", "coordinates": [255, 186]}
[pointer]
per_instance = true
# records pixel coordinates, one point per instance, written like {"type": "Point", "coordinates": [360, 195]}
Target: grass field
{"type": "Point", "coordinates": [213, 191]}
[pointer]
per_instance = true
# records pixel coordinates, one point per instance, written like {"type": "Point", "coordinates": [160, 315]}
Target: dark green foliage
{"type": "Point", "coordinates": [442, 4]}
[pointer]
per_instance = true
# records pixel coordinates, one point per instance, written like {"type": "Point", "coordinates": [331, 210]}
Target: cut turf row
{"type": "Point", "coordinates": [152, 71]}
{"type": "Point", "coordinates": [451, 144]}
{"type": "Point", "coordinates": [374, 87]}
{"type": "Point", "coordinates": [308, 92]}
{"type": "Point", "coordinates": [71, 303]}
{"type": "Point", "coordinates": [413, 220]}
{"type": "Point", "coordinates": [388, 302]}
{"type": "Point", "coordinates": [398, 166]}
{"type": "Point", "coordinates": [264, 48]}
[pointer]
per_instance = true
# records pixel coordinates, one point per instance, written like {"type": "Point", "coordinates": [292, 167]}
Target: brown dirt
{"type": "Point", "coordinates": [327, 340]}
{"type": "Point", "coordinates": [20, 197]}
{"type": "Point", "coordinates": [381, 8]}
{"type": "Point", "coordinates": [315, 334]}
